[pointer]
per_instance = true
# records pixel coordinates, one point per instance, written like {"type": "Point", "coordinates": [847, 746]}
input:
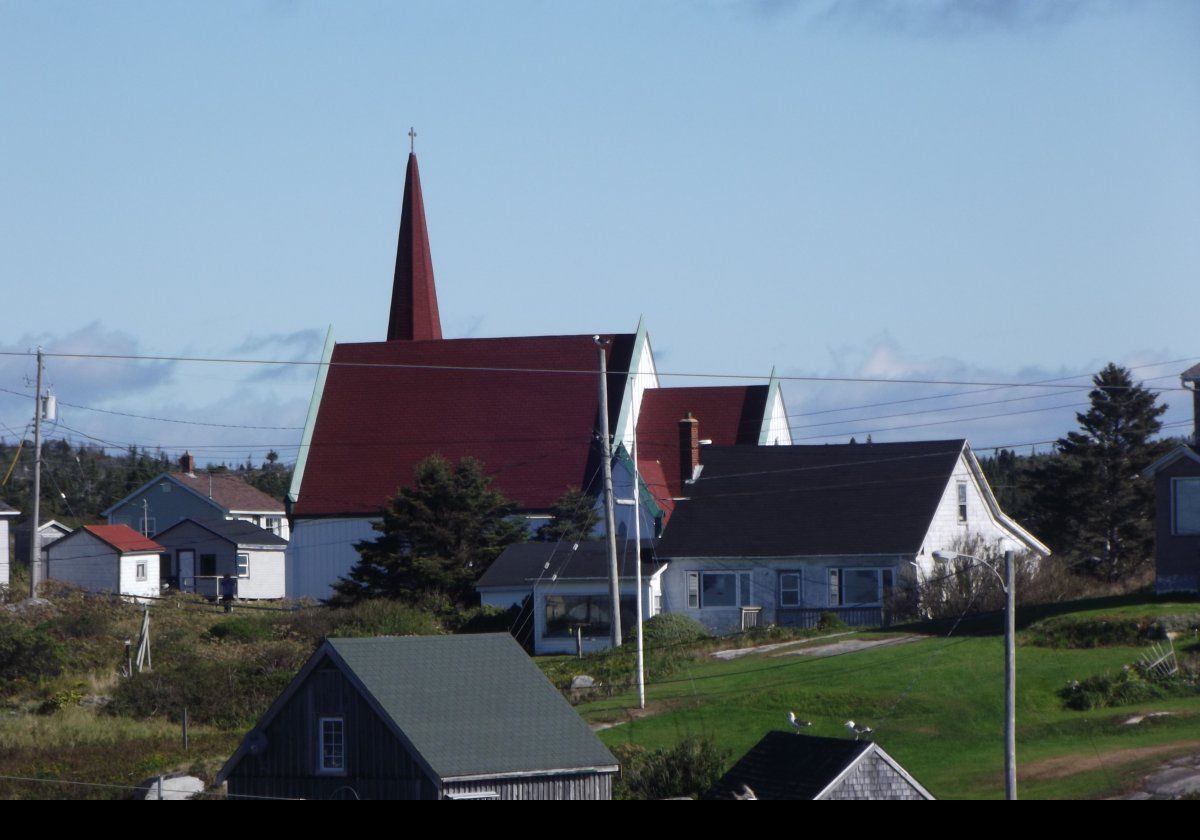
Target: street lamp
{"type": "Point", "coordinates": [1008, 584]}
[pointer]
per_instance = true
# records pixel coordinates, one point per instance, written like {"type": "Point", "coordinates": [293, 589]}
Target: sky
{"type": "Point", "coordinates": [948, 190]}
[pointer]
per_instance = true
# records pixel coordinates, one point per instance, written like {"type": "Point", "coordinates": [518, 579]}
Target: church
{"type": "Point", "coordinates": [526, 407]}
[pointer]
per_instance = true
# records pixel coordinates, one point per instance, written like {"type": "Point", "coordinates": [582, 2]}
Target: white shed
{"type": "Point", "coordinates": [106, 558]}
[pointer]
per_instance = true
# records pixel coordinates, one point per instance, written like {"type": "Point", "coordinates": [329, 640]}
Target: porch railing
{"type": "Point", "coordinates": [808, 617]}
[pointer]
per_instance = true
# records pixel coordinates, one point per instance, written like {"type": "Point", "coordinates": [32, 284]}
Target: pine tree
{"type": "Point", "coordinates": [574, 517]}
{"type": "Point", "coordinates": [436, 538]}
{"type": "Point", "coordinates": [1094, 508]}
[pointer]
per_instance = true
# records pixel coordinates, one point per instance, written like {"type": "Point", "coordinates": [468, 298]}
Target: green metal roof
{"type": "Point", "coordinates": [472, 705]}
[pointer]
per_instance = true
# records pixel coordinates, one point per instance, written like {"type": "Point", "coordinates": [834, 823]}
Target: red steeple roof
{"type": "Point", "coordinates": [414, 296]}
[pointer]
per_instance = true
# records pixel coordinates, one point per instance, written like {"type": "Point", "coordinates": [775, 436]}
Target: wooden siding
{"type": "Point", "coordinates": [567, 786]}
{"type": "Point", "coordinates": [377, 764]}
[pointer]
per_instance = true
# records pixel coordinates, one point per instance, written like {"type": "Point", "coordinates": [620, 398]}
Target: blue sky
{"type": "Point", "coordinates": [992, 191]}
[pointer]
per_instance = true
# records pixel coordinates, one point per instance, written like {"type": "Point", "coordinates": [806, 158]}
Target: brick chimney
{"type": "Point", "coordinates": [689, 447]}
{"type": "Point", "coordinates": [187, 463]}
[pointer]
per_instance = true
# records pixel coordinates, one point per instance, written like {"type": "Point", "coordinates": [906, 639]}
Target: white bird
{"type": "Point", "coordinates": [796, 723]}
{"type": "Point", "coordinates": [744, 793]}
{"type": "Point", "coordinates": [858, 731]}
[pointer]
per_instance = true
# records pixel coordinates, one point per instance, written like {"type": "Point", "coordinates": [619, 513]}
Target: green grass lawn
{"type": "Point", "coordinates": [936, 706]}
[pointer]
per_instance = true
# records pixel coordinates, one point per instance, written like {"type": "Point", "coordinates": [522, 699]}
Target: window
{"type": "Point", "coordinates": [243, 564]}
{"type": "Point", "coordinates": [1185, 506]}
{"type": "Point", "coordinates": [789, 589]}
{"type": "Point", "coordinates": [165, 486]}
{"type": "Point", "coordinates": [564, 613]}
{"type": "Point", "coordinates": [332, 746]}
{"type": "Point", "coordinates": [718, 589]}
{"type": "Point", "coordinates": [859, 587]}
{"type": "Point", "coordinates": [962, 501]}
{"type": "Point", "coordinates": [273, 525]}
{"type": "Point", "coordinates": [141, 570]}
{"type": "Point", "coordinates": [208, 565]}
{"type": "Point", "coordinates": [147, 526]}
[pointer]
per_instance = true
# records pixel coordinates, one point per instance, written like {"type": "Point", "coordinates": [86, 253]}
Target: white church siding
{"type": "Point", "coordinates": [321, 551]}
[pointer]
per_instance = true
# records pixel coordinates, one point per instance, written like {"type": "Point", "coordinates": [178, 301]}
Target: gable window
{"type": "Point", "coordinates": [273, 525]}
{"type": "Point", "coordinates": [332, 745]}
{"type": "Point", "coordinates": [718, 589]}
{"type": "Point", "coordinates": [243, 564]}
{"type": "Point", "coordinates": [962, 501]}
{"type": "Point", "coordinates": [789, 589]}
{"type": "Point", "coordinates": [859, 587]}
{"type": "Point", "coordinates": [165, 486]}
{"type": "Point", "coordinates": [1185, 506]}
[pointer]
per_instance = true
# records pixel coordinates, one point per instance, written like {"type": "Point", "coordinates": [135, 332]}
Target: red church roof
{"type": "Point", "coordinates": [414, 296]}
{"type": "Point", "coordinates": [727, 415]}
{"type": "Point", "coordinates": [387, 406]}
{"type": "Point", "coordinates": [123, 538]}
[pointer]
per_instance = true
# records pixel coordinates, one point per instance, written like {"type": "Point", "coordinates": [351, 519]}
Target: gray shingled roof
{"type": "Point", "coordinates": [781, 501]}
{"type": "Point", "coordinates": [235, 531]}
{"type": "Point", "coordinates": [1192, 374]}
{"type": "Point", "coordinates": [473, 704]}
{"type": "Point", "coordinates": [522, 564]}
{"type": "Point", "coordinates": [784, 765]}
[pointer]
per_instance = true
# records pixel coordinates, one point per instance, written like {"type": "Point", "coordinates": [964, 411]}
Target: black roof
{"type": "Point", "coordinates": [523, 563]}
{"type": "Point", "coordinates": [785, 765]}
{"type": "Point", "coordinates": [235, 531]}
{"type": "Point", "coordinates": [782, 501]}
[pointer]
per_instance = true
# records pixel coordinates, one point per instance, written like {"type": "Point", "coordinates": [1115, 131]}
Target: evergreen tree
{"type": "Point", "coordinates": [575, 518]}
{"type": "Point", "coordinates": [436, 538]}
{"type": "Point", "coordinates": [1093, 507]}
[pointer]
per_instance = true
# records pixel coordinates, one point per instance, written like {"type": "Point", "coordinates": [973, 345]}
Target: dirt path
{"type": "Point", "coordinates": [849, 646]}
{"type": "Point", "coordinates": [737, 653]}
{"type": "Point", "coordinates": [1061, 766]}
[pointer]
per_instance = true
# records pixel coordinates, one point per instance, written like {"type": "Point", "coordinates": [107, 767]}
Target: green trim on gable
{"type": "Point", "coordinates": [310, 422]}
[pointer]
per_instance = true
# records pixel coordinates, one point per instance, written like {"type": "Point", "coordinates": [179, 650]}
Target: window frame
{"type": "Point", "coordinates": [799, 589]}
{"type": "Point", "coordinates": [1175, 485]}
{"type": "Point", "coordinates": [883, 587]}
{"type": "Point", "coordinates": [139, 570]}
{"type": "Point", "coordinates": [322, 768]}
{"type": "Point", "coordinates": [961, 501]}
{"type": "Point", "coordinates": [743, 588]}
{"type": "Point", "coordinates": [242, 561]}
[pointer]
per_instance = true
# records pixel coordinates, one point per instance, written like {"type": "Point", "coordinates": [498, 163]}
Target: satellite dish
{"type": "Point", "coordinates": [256, 743]}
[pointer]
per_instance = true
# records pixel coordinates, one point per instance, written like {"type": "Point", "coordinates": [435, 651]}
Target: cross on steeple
{"type": "Point", "coordinates": [412, 140]}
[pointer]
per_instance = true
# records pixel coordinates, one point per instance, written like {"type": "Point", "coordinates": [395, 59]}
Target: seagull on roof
{"type": "Point", "coordinates": [859, 731]}
{"type": "Point", "coordinates": [796, 723]}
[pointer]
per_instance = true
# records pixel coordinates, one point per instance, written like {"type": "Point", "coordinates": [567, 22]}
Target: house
{"type": "Point", "coordinates": [526, 407]}
{"type": "Point", "coordinates": [198, 554]}
{"type": "Point", "coordinates": [174, 496]}
{"type": "Point", "coordinates": [1176, 478]}
{"type": "Point", "coordinates": [106, 558]}
{"type": "Point", "coordinates": [47, 533]}
{"type": "Point", "coordinates": [433, 717]}
{"type": "Point", "coordinates": [568, 588]}
{"type": "Point", "coordinates": [782, 534]}
{"type": "Point", "coordinates": [7, 514]}
{"type": "Point", "coordinates": [785, 765]}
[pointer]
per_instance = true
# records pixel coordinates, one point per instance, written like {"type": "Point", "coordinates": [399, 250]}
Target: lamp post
{"type": "Point", "coordinates": [1008, 584]}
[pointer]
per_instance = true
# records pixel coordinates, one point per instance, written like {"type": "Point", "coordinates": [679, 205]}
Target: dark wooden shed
{"type": "Point", "coordinates": [421, 717]}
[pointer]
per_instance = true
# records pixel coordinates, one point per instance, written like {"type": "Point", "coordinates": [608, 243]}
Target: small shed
{"type": "Point", "coordinates": [421, 717]}
{"type": "Point", "coordinates": [785, 765]}
{"type": "Point", "coordinates": [106, 558]}
{"type": "Point", "coordinates": [199, 554]}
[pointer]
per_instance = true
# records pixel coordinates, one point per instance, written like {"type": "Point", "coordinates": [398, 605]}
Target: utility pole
{"type": "Point", "coordinates": [35, 543]}
{"type": "Point", "coordinates": [1010, 678]}
{"type": "Point", "coordinates": [637, 560]}
{"type": "Point", "coordinates": [614, 581]}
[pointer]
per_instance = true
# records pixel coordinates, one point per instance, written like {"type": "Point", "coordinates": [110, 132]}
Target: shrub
{"type": "Point", "coordinates": [486, 620]}
{"type": "Point", "coordinates": [1100, 692]}
{"type": "Point", "coordinates": [385, 617]}
{"type": "Point", "coordinates": [1102, 631]}
{"type": "Point", "coordinates": [28, 654]}
{"type": "Point", "coordinates": [689, 769]}
{"type": "Point", "coordinates": [242, 629]}
{"type": "Point", "coordinates": [672, 629]}
{"type": "Point", "coordinates": [830, 621]}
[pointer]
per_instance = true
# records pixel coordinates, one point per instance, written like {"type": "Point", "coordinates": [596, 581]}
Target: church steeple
{"type": "Point", "coordinates": [414, 296]}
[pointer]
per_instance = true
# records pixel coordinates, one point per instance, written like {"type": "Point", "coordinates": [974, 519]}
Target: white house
{"type": "Point", "coordinates": [783, 534]}
{"type": "Point", "coordinates": [174, 496]}
{"type": "Point", "coordinates": [7, 514]}
{"type": "Point", "coordinates": [106, 558]}
{"type": "Point", "coordinates": [198, 554]}
{"type": "Point", "coordinates": [568, 588]}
